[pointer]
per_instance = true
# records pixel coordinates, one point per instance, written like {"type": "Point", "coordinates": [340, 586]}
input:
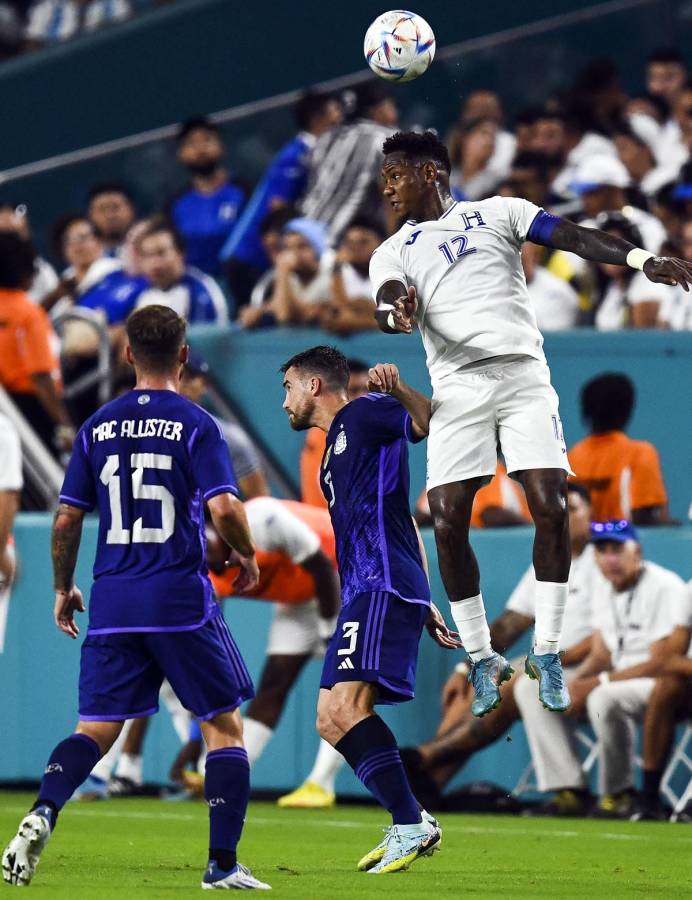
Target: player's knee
{"type": "Point", "coordinates": [550, 512]}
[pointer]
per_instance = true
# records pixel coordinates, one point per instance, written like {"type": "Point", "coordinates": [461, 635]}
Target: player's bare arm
{"type": "Point", "coordinates": [385, 378]}
{"type": "Point", "coordinates": [327, 585]}
{"type": "Point", "coordinates": [598, 246]}
{"type": "Point", "coordinates": [396, 308]}
{"type": "Point", "coordinates": [508, 628]}
{"type": "Point", "coordinates": [65, 540]}
{"type": "Point", "coordinates": [230, 520]}
{"type": "Point", "coordinates": [9, 504]}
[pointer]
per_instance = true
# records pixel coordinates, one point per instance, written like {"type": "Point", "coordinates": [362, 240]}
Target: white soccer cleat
{"type": "Point", "coordinates": [22, 854]}
{"type": "Point", "coordinates": [238, 879]}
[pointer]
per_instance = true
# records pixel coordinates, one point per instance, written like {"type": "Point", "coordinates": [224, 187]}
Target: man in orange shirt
{"type": "Point", "coordinates": [623, 475]}
{"type": "Point", "coordinates": [29, 371]}
{"type": "Point", "coordinates": [316, 440]}
{"type": "Point", "coordinates": [297, 559]}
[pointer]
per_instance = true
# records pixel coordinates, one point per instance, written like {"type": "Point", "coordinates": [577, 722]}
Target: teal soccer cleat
{"type": "Point", "coordinates": [552, 690]}
{"type": "Point", "coordinates": [374, 856]}
{"type": "Point", "coordinates": [486, 676]}
{"type": "Point", "coordinates": [402, 848]}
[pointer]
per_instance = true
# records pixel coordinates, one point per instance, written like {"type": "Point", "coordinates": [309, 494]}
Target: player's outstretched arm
{"type": "Point", "coordinates": [65, 539]}
{"type": "Point", "coordinates": [384, 377]}
{"type": "Point", "coordinates": [396, 308]}
{"type": "Point", "coordinates": [228, 516]}
{"type": "Point", "coordinates": [599, 246]}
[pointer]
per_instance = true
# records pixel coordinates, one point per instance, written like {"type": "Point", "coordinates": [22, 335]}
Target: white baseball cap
{"type": "Point", "coordinates": [599, 171]}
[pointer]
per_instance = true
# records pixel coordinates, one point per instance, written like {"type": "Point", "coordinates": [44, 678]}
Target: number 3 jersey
{"type": "Point", "coordinates": [365, 479]}
{"type": "Point", "coordinates": [473, 303]}
{"type": "Point", "coordinates": [148, 461]}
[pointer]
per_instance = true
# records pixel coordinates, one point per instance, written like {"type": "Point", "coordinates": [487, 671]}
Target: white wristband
{"type": "Point", "coordinates": [390, 320]}
{"type": "Point", "coordinates": [637, 257]}
{"type": "Point", "coordinates": [603, 677]}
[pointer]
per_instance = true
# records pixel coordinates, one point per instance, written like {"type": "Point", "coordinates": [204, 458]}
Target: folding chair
{"type": "Point", "coordinates": [682, 757]}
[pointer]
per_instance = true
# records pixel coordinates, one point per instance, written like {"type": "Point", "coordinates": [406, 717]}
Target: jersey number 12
{"type": "Point", "coordinates": [157, 493]}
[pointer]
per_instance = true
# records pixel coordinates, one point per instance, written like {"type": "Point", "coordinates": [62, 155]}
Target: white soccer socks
{"type": "Point", "coordinates": [551, 600]}
{"type": "Point", "coordinates": [256, 736]}
{"type": "Point", "coordinates": [327, 764]}
{"type": "Point", "coordinates": [472, 625]}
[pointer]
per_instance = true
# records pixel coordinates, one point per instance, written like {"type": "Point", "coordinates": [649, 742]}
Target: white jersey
{"type": "Point", "coordinates": [578, 621]}
{"type": "Point", "coordinates": [274, 528]}
{"type": "Point", "coordinates": [473, 303]}
{"type": "Point", "coordinates": [632, 620]}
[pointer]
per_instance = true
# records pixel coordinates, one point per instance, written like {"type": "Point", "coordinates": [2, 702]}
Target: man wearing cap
{"type": "Point", "coordinates": [635, 610]}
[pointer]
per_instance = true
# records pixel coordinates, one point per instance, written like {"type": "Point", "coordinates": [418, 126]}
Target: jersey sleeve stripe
{"type": "Point", "coordinates": [74, 501]}
{"type": "Point", "coordinates": [221, 489]}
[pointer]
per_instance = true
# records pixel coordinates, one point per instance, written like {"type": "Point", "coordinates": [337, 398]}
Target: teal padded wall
{"type": "Point", "coordinates": [38, 670]}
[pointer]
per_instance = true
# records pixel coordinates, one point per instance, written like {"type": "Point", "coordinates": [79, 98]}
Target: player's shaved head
{"type": "Point", "coordinates": [412, 146]}
{"type": "Point", "coordinates": [156, 335]}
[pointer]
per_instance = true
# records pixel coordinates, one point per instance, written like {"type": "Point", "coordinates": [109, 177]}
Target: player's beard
{"type": "Point", "coordinates": [301, 419]}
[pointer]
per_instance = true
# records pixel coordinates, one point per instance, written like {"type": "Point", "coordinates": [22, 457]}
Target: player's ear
{"type": "Point", "coordinates": [128, 355]}
{"type": "Point", "coordinates": [184, 354]}
{"type": "Point", "coordinates": [430, 172]}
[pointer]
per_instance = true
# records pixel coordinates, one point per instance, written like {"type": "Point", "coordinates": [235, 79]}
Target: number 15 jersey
{"type": "Point", "coordinates": [148, 461]}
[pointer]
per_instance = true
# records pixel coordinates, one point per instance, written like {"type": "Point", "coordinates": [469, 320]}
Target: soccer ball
{"type": "Point", "coordinates": [399, 45]}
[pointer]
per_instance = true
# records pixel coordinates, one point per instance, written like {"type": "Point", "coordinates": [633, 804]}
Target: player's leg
{"type": "Point", "coordinates": [208, 674]}
{"type": "Point", "coordinates": [68, 766]}
{"type": "Point", "coordinates": [128, 777]}
{"type": "Point", "coordinates": [670, 700]}
{"type": "Point", "coordinates": [278, 676]}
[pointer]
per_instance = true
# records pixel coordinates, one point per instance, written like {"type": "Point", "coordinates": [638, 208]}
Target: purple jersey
{"type": "Point", "coordinates": [365, 479]}
{"type": "Point", "coordinates": [148, 461]}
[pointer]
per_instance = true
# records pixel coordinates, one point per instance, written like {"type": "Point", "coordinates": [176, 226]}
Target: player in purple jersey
{"type": "Point", "coordinates": [385, 593]}
{"type": "Point", "coordinates": [148, 462]}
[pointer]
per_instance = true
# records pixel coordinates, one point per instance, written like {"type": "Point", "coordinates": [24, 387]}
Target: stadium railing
{"type": "Point", "coordinates": [679, 767]}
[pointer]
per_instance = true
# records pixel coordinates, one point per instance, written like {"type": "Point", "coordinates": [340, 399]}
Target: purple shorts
{"type": "Point", "coordinates": [376, 641]}
{"type": "Point", "coordinates": [121, 674]}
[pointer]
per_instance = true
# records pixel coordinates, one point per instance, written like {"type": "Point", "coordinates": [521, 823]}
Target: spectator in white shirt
{"type": "Point", "coordinates": [471, 177]}
{"type": "Point", "coordinates": [675, 311]}
{"type": "Point", "coordinates": [666, 74]}
{"type": "Point", "coordinates": [637, 148]}
{"type": "Point", "coordinates": [555, 302]}
{"type": "Point", "coordinates": [51, 21]}
{"type": "Point", "coordinates": [627, 298]}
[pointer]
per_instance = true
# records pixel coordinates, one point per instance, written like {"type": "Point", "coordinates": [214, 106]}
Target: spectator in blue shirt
{"type": "Point", "coordinates": [207, 210]}
{"type": "Point", "coordinates": [169, 281]}
{"type": "Point", "coordinates": [112, 212]}
{"type": "Point", "coordinates": [283, 184]}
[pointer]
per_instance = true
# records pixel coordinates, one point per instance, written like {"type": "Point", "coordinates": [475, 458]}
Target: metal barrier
{"type": "Point", "coordinates": [101, 374]}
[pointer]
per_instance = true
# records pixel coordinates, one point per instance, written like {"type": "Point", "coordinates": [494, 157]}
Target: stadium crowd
{"type": "Point", "coordinates": [295, 251]}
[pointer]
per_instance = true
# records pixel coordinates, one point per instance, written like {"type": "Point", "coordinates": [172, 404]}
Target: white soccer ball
{"type": "Point", "coordinates": [399, 45]}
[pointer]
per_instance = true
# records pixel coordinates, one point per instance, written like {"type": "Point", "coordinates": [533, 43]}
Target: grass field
{"type": "Point", "coordinates": [149, 848]}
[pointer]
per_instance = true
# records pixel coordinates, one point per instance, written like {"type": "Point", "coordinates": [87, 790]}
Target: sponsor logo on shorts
{"type": "Point", "coordinates": [346, 664]}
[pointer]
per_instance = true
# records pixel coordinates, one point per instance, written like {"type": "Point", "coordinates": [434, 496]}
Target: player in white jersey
{"type": "Point", "coordinates": [454, 269]}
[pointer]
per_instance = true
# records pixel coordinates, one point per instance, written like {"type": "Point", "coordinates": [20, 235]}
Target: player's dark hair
{"type": "Point", "coordinates": [156, 334]}
{"type": "Point", "coordinates": [419, 146]}
{"type": "Point", "coordinates": [327, 363]}
{"type": "Point", "coordinates": [110, 187]}
{"type": "Point", "coordinates": [367, 224]}
{"type": "Point", "coordinates": [16, 261]}
{"type": "Point", "coordinates": [162, 225]}
{"type": "Point", "coordinates": [308, 106]}
{"type": "Point", "coordinates": [576, 487]}
{"type": "Point", "coordinates": [195, 124]}
{"type": "Point", "coordinates": [357, 366]}
{"type": "Point", "coordinates": [666, 55]}
{"type": "Point", "coordinates": [607, 402]}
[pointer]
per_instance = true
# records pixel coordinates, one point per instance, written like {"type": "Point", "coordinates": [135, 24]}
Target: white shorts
{"type": "Point", "coordinates": [293, 631]}
{"type": "Point", "coordinates": [510, 403]}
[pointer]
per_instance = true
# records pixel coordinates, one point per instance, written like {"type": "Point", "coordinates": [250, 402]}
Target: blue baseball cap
{"type": "Point", "coordinates": [619, 530]}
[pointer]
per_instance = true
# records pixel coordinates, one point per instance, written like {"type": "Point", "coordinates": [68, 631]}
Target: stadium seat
{"type": "Point", "coordinates": [682, 757]}
{"type": "Point", "coordinates": [584, 736]}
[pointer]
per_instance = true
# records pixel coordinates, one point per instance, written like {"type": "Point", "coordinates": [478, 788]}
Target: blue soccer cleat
{"type": "Point", "coordinates": [22, 854]}
{"type": "Point", "coordinates": [237, 879]}
{"type": "Point", "coordinates": [486, 676]}
{"type": "Point", "coordinates": [552, 690]}
{"type": "Point", "coordinates": [403, 848]}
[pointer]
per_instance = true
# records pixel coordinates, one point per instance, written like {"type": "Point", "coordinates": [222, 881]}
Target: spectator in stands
{"type": "Point", "coordinates": [683, 113]}
{"type": "Point", "coordinates": [529, 178]}
{"type": "Point", "coordinates": [636, 608]}
{"type": "Point", "coordinates": [11, 483]}
{"type": "Point", "coordinates": [670, 702]}
{"type": "Point", "coordinates": [524, 128]}
{"type": "Point", "coordinates": [675, 312]}
{"type": "Point", "coordinates": [14, 217]}
{"type": "Point", "coordinates": [598, 96]}
{"type": "Point", "coordinates": [52, 21]}
{"type": "Point", "coordinates": [245, 458]}
{"type": "Point", "coordinates": [666, 76]}
{"type": "Point", "coordinates": [12, 26]}
{"type": "Point", "coordinates": [471, 177]}
{"type": "Point", "coordinates": [205, 213]}
{"type": "Point", "coordinates": [316, 440]}
{"type": "Point", "coordinates": [298, 284]}
{"type": "Point", "coordinates": [623, 475]}
{"type": "Point", "coordinates": [499, 504]}
{"type": "Point", "coordinates": [168, 281]}
{"type": "Point", "coordinates": [354, 150]}
{"type": "Point", "coordinates": [433, 764]}
{"type": "Point", "coordinates": [627, 299]}
{"type": "Point", "coordinates": [486, 105]}
{"type": "Point", "coordinates": [29, 370]}
{"type": "Point", "coordinates": [283, 185]}
{"type": "Point", "coordinates": [351, 307]}
{"type": "Point", "coordinates": [555, 302]}
{"type": "Point", "coordinates": [637, 148]}
{"type": "Point", "coordinates": [112, 212]}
